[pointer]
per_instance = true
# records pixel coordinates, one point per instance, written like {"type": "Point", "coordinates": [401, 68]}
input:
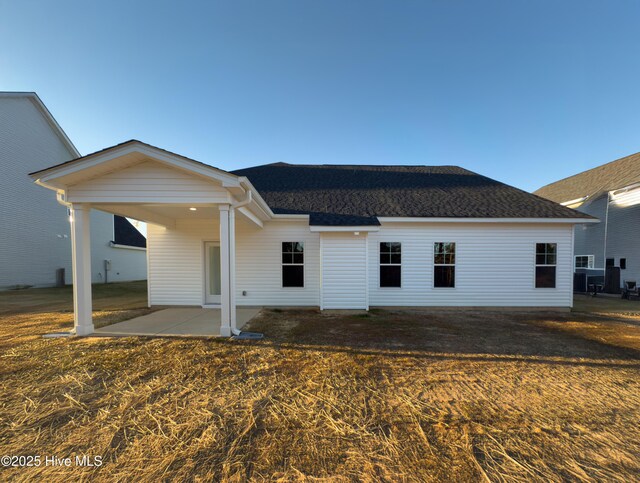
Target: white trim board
{"type": "Point", "coordinates": [399, 219]}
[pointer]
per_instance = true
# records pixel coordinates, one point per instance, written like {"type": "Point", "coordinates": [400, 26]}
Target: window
{"type": "Point", "coordinates": [390, 264]}
{"type": "Point", "coordinates": [623, 264]}
{"type": "Point", "coordinates": [444, 264]}
{"type": "Point", "coordinates": [584, 261]}
{"type": "Point", "coordinates": [546, 265]}
{"type": "Point", "coordinates": [292, 264]}
{"type": "Point", "coordinates": [610, 262]}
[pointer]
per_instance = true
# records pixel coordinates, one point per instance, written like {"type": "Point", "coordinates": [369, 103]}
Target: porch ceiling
{"type": "Point", "coordinates": [168, 214]}
{"type": "Point", "coordinates": [173, 211]}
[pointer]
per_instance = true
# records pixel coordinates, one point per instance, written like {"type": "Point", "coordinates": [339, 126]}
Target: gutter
{"type": "Point", "coordinates": [60, 196]}
{"type": "Point", "coordinates": [247, 199]}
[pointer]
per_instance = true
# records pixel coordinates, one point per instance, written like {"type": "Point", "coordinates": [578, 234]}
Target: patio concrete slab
{"type": "Point", "coordinates": [185, 322]}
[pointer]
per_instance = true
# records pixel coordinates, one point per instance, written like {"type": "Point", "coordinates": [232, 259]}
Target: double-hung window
{"type": "Point", "coordinates": [584, 261]}
{"type": "Point", "coordinates": [390, 264]}
{"type": "Point", "coordinates": [546, 259]}
{"type": "Point", "coordinates": [444, 264]}
{"type": "Point", "coordinates": [292, 264]}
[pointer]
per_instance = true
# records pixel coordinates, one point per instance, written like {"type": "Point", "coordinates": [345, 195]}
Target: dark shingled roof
{"type": "Point", "coordinates": [611, 176]}
{"type": "Point", "coordinates": [127, 234]}
{"type": "Point", "coordinates": [356, 195]}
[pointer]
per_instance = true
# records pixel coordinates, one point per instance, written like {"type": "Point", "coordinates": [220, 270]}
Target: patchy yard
{"type": "Point", "coordinates": [415, 395]}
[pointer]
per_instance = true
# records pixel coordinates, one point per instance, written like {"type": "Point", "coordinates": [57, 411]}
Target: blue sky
{"type": "Point", "coordinates": [524, 92]}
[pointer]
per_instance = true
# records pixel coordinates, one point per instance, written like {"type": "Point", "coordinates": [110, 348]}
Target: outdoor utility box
{"type": "Point", "coordinates": [60, 277]}
{"type": "Point", "coordinates": [580, 282]}
{"type": "Point", "coordinates": [612, 280]}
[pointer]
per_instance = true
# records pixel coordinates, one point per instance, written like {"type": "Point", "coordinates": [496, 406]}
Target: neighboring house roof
{"type": "Point", "coordinates": [617, 174]}
{"type": "Point", "coordinates": [124, 233]}
{"type": "Point", "coordinates": [358, 194]}
{"type": "Point", "coordinates": [48, 116]}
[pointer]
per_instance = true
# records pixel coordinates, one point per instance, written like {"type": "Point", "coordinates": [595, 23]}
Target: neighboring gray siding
{"type": "Point", "coordinates": [34, 227]}
{"type": "Point", "coordinates": [589, 237]}
{"type": "Point", "coordinates": [623, 236]}
{"type": "Point", "coordinates": [623, 239]}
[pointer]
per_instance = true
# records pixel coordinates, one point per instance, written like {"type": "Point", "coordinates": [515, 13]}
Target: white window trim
{"type": "Point", "coordinates": [433, 282]}
{"type": "Point", "coordinates": [590, 262]}
{"type": "Point", "coordinates": [282, 265]}
{"type": "Point", "coordinates": [536, 264]}
{"type": "Point", "coordinates": [380, 264]}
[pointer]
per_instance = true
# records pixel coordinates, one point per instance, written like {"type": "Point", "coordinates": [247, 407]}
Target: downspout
{"type": "Point", "coordinates": [232, 269]}
{"type": "Point", "coordinates": [606, 225]}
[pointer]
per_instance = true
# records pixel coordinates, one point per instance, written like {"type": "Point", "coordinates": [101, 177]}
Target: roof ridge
{"type": "Point", "coordinates": [282, 163]}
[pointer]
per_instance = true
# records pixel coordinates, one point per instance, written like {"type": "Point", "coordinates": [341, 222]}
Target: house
{"type": "Point", "coordinates": [610, 192]}
{"type": "Point", "coordinates": [34, 228]}
{"type": "Point", "coordinates": [334, 237]}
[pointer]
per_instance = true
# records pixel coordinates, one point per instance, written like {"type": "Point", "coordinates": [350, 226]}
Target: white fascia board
{"type": "Point", "coordinates": [399, 219]}
{"type": "Point", "coordinates": [127, 247]}
{"type": "Point", "coordinates": [317, 228]}
{"type": "Point", "coordinates": [256, 196]}
{"type": "Point", "coordinates": [287, 217]}
{"type": "Point", "coordinates": [625, 189]}
{"type": "Point", "coordinates": [576, 201]}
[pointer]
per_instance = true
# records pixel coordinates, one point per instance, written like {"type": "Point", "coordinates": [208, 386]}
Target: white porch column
{"type": "Point", "coordinates": [225, 291]}
{"type": "Point", "coordinates": [232, 268]}
{"type": "Point", "coordinates": [81, 268]}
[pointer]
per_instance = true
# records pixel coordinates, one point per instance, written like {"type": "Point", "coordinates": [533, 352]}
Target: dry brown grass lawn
{"type": "Point", "coordinates": [413, 396]}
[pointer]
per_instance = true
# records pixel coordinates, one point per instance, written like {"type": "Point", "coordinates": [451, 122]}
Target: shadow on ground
{"type": "Point", "coordinates": [472, 335]}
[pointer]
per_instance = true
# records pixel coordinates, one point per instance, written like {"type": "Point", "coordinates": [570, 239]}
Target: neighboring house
{"type": "Point", "coordinates": [337, 237]}
{"type": "Point", "coordinates": [34, 228]}
{"type": "Point", "coordinates": [610, 192]}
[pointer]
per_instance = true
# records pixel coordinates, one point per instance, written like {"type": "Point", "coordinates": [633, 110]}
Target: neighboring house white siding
{"type": "Point", "coordinates": [176, 263]}
{"type": "Point", "coordinates": [495, 265]}
{"type": "Point", "coordinates": [344, 270]}
{"type": "Point", "coordinates": [126, 263]}
{"type": "Point", "coordinates": [34, 227]}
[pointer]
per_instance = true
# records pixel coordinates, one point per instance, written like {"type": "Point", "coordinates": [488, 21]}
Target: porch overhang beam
{"type": "Point", "coordinates": [249, 215]}
{"type": "Point", "coordinates": [138, 213]}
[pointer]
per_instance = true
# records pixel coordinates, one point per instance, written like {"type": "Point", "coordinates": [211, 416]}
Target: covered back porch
{"type": "Point", "coordinates": [163, 189]}
{"type": "Point", "coordinates": [177, 322]}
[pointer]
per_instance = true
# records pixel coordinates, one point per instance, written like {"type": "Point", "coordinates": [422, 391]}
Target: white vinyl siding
{"type": "Point", "coordinates": [344, 271]}
{"type": "Point", "coordinates": [176, 263]}
{"type": "Point", "coordinates": [495, 265]}
{"type": "Point", "coordinates": [148, 182]}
